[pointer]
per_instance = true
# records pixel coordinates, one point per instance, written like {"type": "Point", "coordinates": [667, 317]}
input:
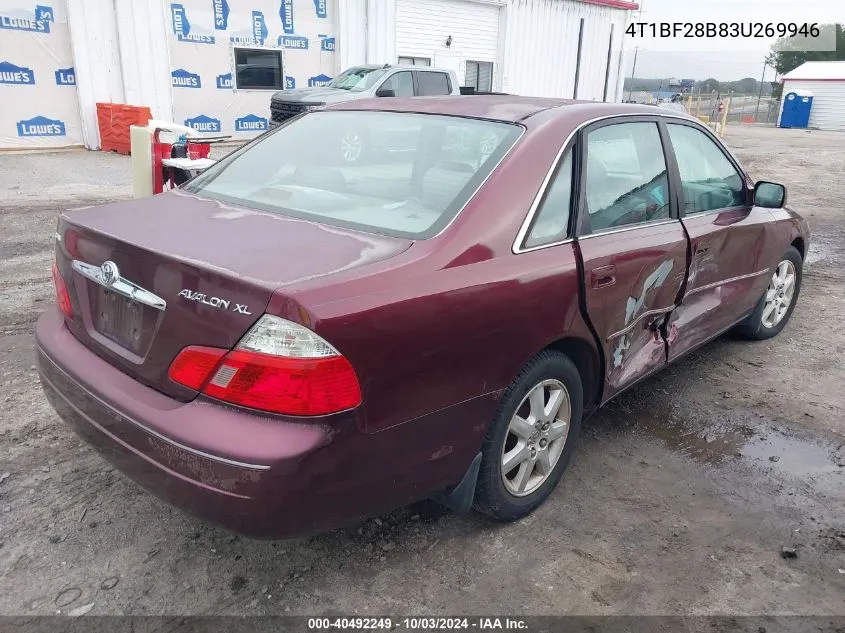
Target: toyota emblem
{"type": "Point", "coordinates": [109, 273]}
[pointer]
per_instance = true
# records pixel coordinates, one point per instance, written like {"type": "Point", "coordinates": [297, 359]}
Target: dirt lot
{"type": "Point", "coordinates": [678, 501]}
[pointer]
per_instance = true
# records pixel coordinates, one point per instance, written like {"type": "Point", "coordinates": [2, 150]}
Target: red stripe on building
{"type": "Point", "coordinates": [614, 4]}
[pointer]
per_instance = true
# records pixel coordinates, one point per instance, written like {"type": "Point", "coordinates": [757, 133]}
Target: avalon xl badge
{"type": "Point", "coordinates": [214, 302]}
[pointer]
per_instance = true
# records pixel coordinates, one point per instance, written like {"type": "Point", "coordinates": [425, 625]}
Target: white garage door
{"type": "Point", "coordinates": [423, 27]}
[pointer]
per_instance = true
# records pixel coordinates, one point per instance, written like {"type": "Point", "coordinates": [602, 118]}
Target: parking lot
{"type": "Point", "coordinates": [678, 500]}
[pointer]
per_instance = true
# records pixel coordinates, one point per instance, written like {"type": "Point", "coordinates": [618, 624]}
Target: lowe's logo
{"type": "Point", "coordinates": [182, 27]}
{"type": "Point", "coordinates": [294, 41]}
{"type": "Point", "coordinates": [320, 8]}
{"type": "Point", "coordinates": [65, 77]}
{"type": "Point", "coordinates": [224, 82]}
{"type": "Point", "coordinates": [290, 83]}
{"type": "Point", "coordinates": [318, 81]}
{"type": "Point", "coordinates": [286, 13]}
{"type": "Point", "coordinates": [23, 20]}
{"type": "Point", "coordinates": [258, 34]}
{"type": "Point", "coordinates": [203, 123]}
{"type": "Point", "coordinates": [221, 14]}
{"type": "Point", "coordinates": [327, 44]}
{"type": "Point", "coordinates": [250, 123]}
{"type": "Point", "coordinates": [41, 126]}
{"type": "Point", "coordinates": [181, 78]}
{"type": "Point", "coordinates": [11, 74]}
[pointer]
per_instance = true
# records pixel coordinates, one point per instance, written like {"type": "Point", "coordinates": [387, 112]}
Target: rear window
{"type": "Point", "coordinates": [399, 174]}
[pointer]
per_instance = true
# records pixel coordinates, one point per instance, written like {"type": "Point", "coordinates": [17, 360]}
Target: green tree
{"type": "Point", "coordinates": [783, 56]}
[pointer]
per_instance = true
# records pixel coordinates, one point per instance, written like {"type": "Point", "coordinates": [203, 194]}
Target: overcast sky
{"type": "Point", "coordinates": [722, 58]}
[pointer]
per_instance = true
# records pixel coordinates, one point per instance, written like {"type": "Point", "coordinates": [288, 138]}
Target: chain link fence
{"type": "Point", "coordinates": [741, 108]}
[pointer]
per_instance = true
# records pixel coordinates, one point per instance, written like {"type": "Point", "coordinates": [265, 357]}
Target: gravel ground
{"type": "Point", "coordinates": [679, 499]}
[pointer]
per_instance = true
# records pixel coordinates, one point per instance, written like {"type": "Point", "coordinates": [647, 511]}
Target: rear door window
{"type": "Point", "coordinates": [626, 180]}
{"type": "Point", "coordinates": [433, 83]}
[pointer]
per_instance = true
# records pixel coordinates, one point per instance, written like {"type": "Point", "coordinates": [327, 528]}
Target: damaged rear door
{"type": "Point", "coordinates": [632, 244]}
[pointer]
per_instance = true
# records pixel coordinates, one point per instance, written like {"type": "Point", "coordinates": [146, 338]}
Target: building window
{"type": "Point", "coordinates": [415, 61]}
{"type": "Point", "coordinates": [479, 75]}
{"type": "Point", "coordinates": [258, 69]}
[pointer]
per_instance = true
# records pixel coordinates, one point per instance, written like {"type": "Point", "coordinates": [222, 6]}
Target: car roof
{"type": "Point", "coordinates": [499, 107]}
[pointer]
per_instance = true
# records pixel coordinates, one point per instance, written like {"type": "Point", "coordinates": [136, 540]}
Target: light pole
{"type": "Point", "coordinates": [636, 50]}
{"type": "Point", "coordinates": [760, 94]}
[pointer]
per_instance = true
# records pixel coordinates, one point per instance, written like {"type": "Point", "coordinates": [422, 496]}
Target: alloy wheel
{"type": "Point", "coordinates": [535, 438]}
{"type": "Point", "coordinates": [779, 294]}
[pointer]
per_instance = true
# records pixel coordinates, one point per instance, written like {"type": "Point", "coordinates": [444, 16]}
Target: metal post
{"type": "Point", "coordinates": [607, 68]}
{"type": "Point", "coordinates": [578, 59]}
{"type": "Point", "coordinates": [760, 94]}
{"type": "Point", "coordinates": [633, 72]}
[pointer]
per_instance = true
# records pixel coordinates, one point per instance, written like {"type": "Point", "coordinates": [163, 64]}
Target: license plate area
{"type": "Point", "coordinates": [121, 320]}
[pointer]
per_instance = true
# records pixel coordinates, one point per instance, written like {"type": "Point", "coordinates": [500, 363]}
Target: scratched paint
{"type": "Point", "coordinates": [634, 305]}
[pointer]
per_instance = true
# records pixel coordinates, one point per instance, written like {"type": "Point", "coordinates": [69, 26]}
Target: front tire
{"type": "Point", "coordinates": [530, 442]}
{"type": "Point", "coordinates": [778, 302]}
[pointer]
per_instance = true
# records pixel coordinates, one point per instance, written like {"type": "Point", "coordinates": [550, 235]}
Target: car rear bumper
{"type": "Point", "coordinates": [254, 474]}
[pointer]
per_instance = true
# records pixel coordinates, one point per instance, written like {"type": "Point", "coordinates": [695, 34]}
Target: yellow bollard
{"type": "Point", "coordinates": [698, 106]}
{"type": "Point", "coordinates": [689, 104]}
{"type": "Point", "coordinates": [725, 115]}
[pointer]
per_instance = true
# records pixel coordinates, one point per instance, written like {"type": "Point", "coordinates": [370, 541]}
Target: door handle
{"type": "Point", "coordinates": [603, 276]}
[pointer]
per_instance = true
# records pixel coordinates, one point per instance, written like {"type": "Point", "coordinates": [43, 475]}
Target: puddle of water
{"type": "Point", "coordinates": [793, 456]}
{"type": "Point", "coordinates": [713, 438]}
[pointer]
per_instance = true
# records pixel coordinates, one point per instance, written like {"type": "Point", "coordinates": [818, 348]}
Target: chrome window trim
{"type": "Point", "coordinates": [518, 243]}
{"type": "Point", "coordinates": [630, 227]}
{"type": "Point", "coordinates": [121, 286]}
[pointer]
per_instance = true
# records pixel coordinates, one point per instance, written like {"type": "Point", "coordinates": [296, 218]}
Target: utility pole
{"type": "Point", "coordinates": [636, 50]}
{"type": "Point", "coordinates": [760, 94]}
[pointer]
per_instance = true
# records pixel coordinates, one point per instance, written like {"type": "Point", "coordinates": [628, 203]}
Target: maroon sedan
{"type": "Point", "coordinates": [291, 341]}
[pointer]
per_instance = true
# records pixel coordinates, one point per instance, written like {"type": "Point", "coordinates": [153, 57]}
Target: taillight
{"type": "Point", "coordinates": [279, 366]}
{"type": "Point", "coordinates": [62, 296]}
{"type": "Point", "coordinates": [194, 365]}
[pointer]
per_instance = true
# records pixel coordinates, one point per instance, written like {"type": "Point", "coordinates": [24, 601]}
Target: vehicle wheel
{"type": "Point", "coordinates": [353, 145]}
{"type": "Point", "coordinates": [529, 444]}
{"type": "Point", "coordinates": [778, 302]}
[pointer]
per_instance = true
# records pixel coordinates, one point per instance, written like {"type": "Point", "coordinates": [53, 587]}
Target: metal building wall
{"type": "Point", "coordinates": [541, 48]}
{"type": "Point", "coordinates": [828, 111]}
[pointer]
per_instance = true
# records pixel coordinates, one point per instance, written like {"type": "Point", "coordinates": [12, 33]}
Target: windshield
{"type": "Point", "coordinates": [399, 174]}
{"type": "Point", "coordinates": [357, 79]}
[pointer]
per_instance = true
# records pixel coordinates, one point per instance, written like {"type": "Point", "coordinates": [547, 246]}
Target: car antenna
{"type": "Point", "coordinates": [386, 66]}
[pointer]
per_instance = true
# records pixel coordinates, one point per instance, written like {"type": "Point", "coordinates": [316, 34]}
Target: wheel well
{"type": "Point", "coordinates": [584, 356]}
{"type": "Point", "coordinates": [798, 243]}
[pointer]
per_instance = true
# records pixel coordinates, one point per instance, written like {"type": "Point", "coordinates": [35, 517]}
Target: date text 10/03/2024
{"type": "Point", "coordinates": [418, 623]}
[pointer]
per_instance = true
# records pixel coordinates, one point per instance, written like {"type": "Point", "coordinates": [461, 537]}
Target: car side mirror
{"type": "Point", "coordinates": [385, 92]}
{"type": "Point", "coordinates": [769, 195]}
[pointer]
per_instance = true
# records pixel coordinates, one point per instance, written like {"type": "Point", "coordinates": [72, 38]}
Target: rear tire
{"type": "Point", "coordinates": [778, 302]}
{"type": "Point", "coordinates": [531, 439]}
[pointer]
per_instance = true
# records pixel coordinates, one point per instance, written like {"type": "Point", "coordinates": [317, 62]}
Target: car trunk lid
{"type": "Point", "coordinates": [150, 277]}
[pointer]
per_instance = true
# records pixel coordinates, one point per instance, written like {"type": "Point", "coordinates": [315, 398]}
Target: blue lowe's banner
{"type": "Point", "coordinates": [12, 74]}
{"type": "Point", "coordinates": [204, 123]}
{"type": "Point", "coordinates": [224, 82]}
{"type": "Point", "coordinates": [66, 77]}
{"type": "Point", "coordinates": [181, 78]}
{"type": "Point", "coordinates": [286, 13]}
{"type": "Point", "coordinates": [221, 14]}
{"type": "Point", "coordinates": [320, 8]}
{"type": "Point", "coordinates": [23, 20]}
{"type": "Point", "coordinates": [318, 81]}
{"type": "Point", "coordinates": [327, 44]}
{"type": "Point", "coordinates": [299, 42]}
{"type": "Point", "coordinates": [290, 83]}
{"type": "Point", "coordinates": [184, 31]}
{"type": "Point", "coordinates": [41, 126]}
{"type": "Point", "coordinates": [251, 123]}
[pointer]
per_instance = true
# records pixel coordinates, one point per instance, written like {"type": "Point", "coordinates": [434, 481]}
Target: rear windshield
{"type": "Point", "coordinates": [392, 173]}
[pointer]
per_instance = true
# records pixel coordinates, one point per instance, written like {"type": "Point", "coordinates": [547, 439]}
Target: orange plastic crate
{"type": "Point", "coordinates": [113, 121]}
